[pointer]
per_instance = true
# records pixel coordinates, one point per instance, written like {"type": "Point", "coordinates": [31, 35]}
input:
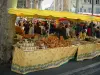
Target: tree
{"type": "Point", "coordinates": [6, 32]}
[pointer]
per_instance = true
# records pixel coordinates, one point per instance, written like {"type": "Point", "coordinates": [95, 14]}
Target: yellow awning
{"type": "Point", "coordinates": [31, 12]}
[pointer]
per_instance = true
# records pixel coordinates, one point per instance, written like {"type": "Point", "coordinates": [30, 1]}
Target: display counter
{"type": "Point", "coordinates": [30, 61]}
{"type": "Point", "coordinates": [88, 51]}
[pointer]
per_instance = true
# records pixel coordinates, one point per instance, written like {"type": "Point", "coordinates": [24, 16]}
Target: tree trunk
{"type": "Point", "coordinates": [6, 32]}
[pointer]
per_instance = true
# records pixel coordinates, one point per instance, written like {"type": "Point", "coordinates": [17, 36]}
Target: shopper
{"type": "Point", "coordinates": [97, 32]}
{"type": "Point", "coordinates": [26, 27]}
{"type": "Point", "coordinates": [31, 30]}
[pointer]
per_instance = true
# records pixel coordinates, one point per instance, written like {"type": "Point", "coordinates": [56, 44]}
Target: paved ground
{"type": "Point", "coordinates": [86, 67]}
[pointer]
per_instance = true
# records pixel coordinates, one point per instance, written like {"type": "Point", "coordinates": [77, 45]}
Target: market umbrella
{"type": "Point", "coordinates": [65, 22]}
{"type": "Point", "coordinates": [63, 19]}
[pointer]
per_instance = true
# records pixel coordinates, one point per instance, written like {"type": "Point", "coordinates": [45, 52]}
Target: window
{"type": "Point", "coordinates": [84, 1]}
{"type": "Point", "coordinates": [80, 9]}
{"type": "Point", "coordinates": [31, 4]}
{"type": "Point", "coordinates": [89, 10]}
{"type": "Point", "coordinates": [90, 1]}
{"type": "Point", "coordinates": [97, 10]}
{"type": "Point", "coordinates": [84, 10]}
{"type": "Point", "coordinates": [97, 1]}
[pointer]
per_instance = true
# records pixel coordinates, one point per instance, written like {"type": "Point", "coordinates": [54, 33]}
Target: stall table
{"type": "Point", "coordinates": [29, 61]}
{"type": "Point", "coordinates": [88, 51]}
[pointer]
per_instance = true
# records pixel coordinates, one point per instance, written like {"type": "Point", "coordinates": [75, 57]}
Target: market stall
{"type": "Point", "coordinates": [30, 61]}
{"type": "Point", "coordinates": [50, 52]}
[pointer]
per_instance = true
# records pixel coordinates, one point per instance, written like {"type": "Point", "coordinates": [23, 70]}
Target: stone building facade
{"type": "Point", "coordinates": [78, 6]}
{"type": "Point", "coordinates": [63, 5]}
{"type": "Point", "coordinates": [85, 6]}
{"type": "Point", "coordinates": [29, 4]}
{"type": "Point", "coordinates": [21, 3]}
{"type": "Point", "coordinates": [34, 4]}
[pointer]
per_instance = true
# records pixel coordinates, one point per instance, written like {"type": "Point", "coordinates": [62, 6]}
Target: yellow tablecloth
{"type": "Point", "coordinates": [24, 62]}
{"type": "Point", "coordinates": [88, 51]}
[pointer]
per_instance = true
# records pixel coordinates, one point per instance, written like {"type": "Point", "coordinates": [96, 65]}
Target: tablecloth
{"type": "Point", "coordinates": [24, 62]}
{"type": "Point", "coordinates": [88, 51]}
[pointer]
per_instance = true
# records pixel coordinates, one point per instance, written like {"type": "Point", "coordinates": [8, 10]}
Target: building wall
{"type": "Point", "coordinates": [85, 6]}
{"type": "Point", "coordinates": [65, 5]}
{"type": "Point", "coordinates": [78, 6]}
{"type": "Point", "coordinates": [61, 5]}
{"type": "Point", "coordinates": [71, 5]}
{"type": "Point", "coordinates": [29, 4]}
{"type": "Point", "coordinates": [39, 4]}
{"type": "Point", "coordinates": [21, 4]}
{"type": "Point", "coordinates": [57, 5]}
